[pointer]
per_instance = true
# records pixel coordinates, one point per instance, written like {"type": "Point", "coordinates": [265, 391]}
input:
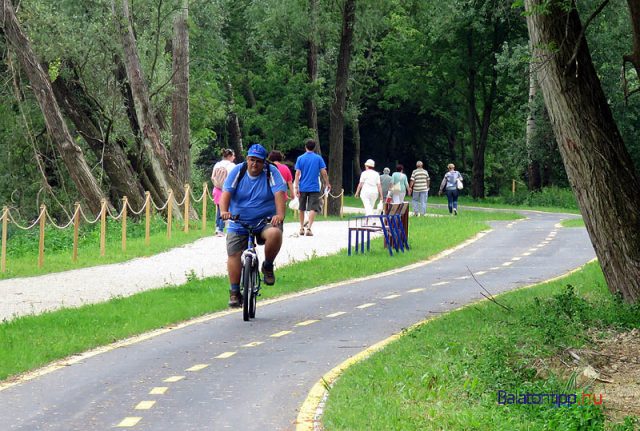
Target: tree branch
{"type": "Point", "coordinates": [581, 36]}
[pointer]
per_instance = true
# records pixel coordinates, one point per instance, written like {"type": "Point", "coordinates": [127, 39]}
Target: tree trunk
{"type": "Point", "coordinates": [71, 153]}
{"type": "Point", "coordinates": [533, 167]}
{"type": "Point", "coordinates": [336, 127]}
{"type": "Point", "coordinates": [355, 125]}
{"type": "Point", "coordinates": [598, 165]}
{"type": "Point", "coordinates": [477, 187]}
{"type": "Point", "coordinates": [160, 168]}
{"type": "Point", "coordinates": [634, 57]}
{"type": "Point", "coordinates": [312, 72]}
{"type": "Point", "coordinates": [233, 124]}
{"type": "Point", "coordinates": [83, 111]}
{"type": "Point", "coordinates": [180, 145]}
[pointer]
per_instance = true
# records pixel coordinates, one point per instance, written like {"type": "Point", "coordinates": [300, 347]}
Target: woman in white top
{"type": "Point", "coordinates": [218, 176]}
{"type": "Point", "coordinates": [369, 187]}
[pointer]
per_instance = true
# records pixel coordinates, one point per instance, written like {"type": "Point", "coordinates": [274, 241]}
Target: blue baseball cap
{"type": "Point", "coordinates": [257, 150]}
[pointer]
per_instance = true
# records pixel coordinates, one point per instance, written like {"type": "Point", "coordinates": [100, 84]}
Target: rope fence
{"type": "Point", "coordinates": [105, 214]}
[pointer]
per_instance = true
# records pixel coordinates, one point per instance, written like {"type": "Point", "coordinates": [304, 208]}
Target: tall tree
{"type": "Point", "coordinates": [312, 71]}
{"type": "Point", "coordinates": [71, 153]}
{"type": "Point", "coordinates": [336, 127]}
{"type": "Point", "coordinates": [533, 167]}
{"type": "Point", "coordinates": [160, 166]}
{"type": "Point", "coordinates": [598, 165]}
{"type": "Point", "coordinates": [180, 145]}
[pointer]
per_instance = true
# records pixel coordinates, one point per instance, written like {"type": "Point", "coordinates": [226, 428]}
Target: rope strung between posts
{"type": "Point", "coordinates": [196, 199]}
{"type": "Point", "coordinates": [334, 196]}
{"type": "Point", "coordinates": [134, 211]}
{"type": "Point", "coordinates": [54, 223]}
{"type": "Point", "coordinates": [118, 217]}
{"type": "Point", "coordinates": [20, 226]}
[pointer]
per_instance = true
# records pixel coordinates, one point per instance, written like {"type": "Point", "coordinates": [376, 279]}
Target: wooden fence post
{"type": "Point", "coordinates": [76, 230]}
{"type": "Point", "coordinates": [342, 203]}
{"type": "Point", "coordinates": [325, 210]}
{"type": "Point", "coordinates": [43, 218]}
{"type": "Point", "coordinates": [169, 213]}
{"type": "Point", "coordinates": [147, 216]}
{"type": "Point", "coordinates": [205, 196]}
{"type": "Point", "coordinates": [513, 187]}
{"type": "Point", "coordinates": [186, 207]}
{"type": "Point", "coordinates": [103, 226]}
{"type": "Point", "coordinates": [125, 202]}
{"type": "Point", "coordinates": [5, 216]}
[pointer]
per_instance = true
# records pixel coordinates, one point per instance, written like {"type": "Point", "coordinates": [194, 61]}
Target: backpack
{"type": "Point", "coordinates": [219, 176]}
{"type": "Point", "coordinates": [243, 170]}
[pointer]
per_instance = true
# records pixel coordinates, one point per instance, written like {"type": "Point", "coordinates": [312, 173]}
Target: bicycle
{"type": "Point", "coordinates": [250, 272]}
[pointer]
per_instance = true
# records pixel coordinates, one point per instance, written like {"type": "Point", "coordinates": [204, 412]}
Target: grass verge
{"type": "Point", "coordinates": [446, 374]}
{"type": "Point", "coordinates": [32, 341]}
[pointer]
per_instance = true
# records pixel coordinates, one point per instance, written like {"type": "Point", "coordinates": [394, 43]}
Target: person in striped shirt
{"type": "Point", "coordinates": [419, 189]}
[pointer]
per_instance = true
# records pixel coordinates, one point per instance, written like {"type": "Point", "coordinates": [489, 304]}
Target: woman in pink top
{"type": "Point", "coordinates": [276, 157]}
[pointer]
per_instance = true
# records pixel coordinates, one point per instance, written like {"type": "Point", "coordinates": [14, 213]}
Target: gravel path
{"type": "Point", "coordinates": [204, 258]}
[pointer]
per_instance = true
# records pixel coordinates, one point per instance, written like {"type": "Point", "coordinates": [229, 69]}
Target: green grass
{"type": "Point", "coordinates": [446, 373]}
{"type": "Point", "coordinates": [573, 222]}
{"type": "Point", "coordinates": [32, 341]}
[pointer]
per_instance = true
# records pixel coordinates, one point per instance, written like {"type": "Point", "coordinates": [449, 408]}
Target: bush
{"type": "Point", "coordinates": [546, 197]}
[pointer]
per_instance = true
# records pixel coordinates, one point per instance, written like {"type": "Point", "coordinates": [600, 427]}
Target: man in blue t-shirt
{"type": "Point", "coordinates": [309, 167]}
{"type": "Point", "coordinates": [257, 194]}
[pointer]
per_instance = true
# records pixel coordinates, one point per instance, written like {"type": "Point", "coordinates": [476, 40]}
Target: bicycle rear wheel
{"type": "Point", "coordinates": [247, 287]}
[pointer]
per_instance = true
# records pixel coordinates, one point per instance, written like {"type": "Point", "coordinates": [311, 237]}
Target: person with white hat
{"type": "Point", "coordinates": [369, 187]}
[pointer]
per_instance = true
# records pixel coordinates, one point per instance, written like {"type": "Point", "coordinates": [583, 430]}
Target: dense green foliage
{"type": "Point", "coordinates": [409, 88]}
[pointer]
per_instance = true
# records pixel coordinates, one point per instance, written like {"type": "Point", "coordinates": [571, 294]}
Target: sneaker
{"type": "Point", "coordinates": [309, 233]}
{"type": "Point", "coordinates": [455, 211]}
{"type": "Point", "coordinates": [219, 234]}
{"type": "Point", "coordinates": [235, 299]}
{"type": "Point", "coordinates": [268, 275]}
{"type": "Point", "coordinates": [301, 231]}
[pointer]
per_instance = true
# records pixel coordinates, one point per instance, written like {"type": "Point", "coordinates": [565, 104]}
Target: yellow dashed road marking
{"type": "Point", "coordinates": [441, 283]}
{"type": "Point", "coordinates": [493, 268]}
{"type": "Point", "coordinates": [197, 367]}
{"type": "Point", "coordinates": [533, 249]}
{"type": "Point", "coordinates": [225, 355]}
{"type": "Point", "coordinates": [173, 379]}
{"type": "Point", "coordinates": [526, 253]}
{"type": "Point", "coordinates": [159, 390]}
{"type": "Point", "coordinates": [280, 334]}
{"type": "Point", "coordinates": [394, 296]}
{"type": "Point", "coordinates": [367, 305]}
{"type": "Point", "coordinates": [516, 258]}
{"type": "Point", "coordinates": [481, 272]}
{"type": "Point", "coordinates": [507, 263]}
{"type": "Point", "coordinates": [306, 322]}
{"type": "Point", "coordinates": [464, 277]}
{"type": "Point", "coordinates": [129, 422]}
{"type": "Point", "coordinates": [145, 405]}
{"type": "Point", "coordinates": [420, 289]}
{"type": "Point", "coordinates": [253, 344]}
{"type": "Point", "coordinates": [339, 313]}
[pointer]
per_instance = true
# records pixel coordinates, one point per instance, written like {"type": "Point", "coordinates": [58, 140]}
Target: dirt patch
{"type": "Point", "coordinates": [611, 368]}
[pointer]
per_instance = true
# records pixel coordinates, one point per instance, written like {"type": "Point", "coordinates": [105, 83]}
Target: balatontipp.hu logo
{"type": "Point", "coordinates": [558, 400]}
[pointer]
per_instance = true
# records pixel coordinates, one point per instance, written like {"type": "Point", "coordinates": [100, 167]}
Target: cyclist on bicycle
{"type": "Point", "coordinates": [254, 190]}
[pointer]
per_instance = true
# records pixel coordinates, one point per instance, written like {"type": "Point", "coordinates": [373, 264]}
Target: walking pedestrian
{"type": "Point", "coordinates": [218, 176]}
{"type": "Point", "coordinates": [309, 168]}
{"type": "Point", "coordinates": [369, 187]}
{"type": "Point", "coordinates": [386, 182]}
{"type": "Point", "coordinates": [419, 189]}
{"type": "Point", "coordinates": [400, 185]}
{"type": "Point", "coordinates": [451, 182]}
{"type": "Point", "coordinates": [276, 157]}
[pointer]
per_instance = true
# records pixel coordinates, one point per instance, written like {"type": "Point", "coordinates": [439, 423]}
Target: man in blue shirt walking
{"type": "Point", "coordinates": [309, 167]}
{"type": "Point", "coordinates": [253, 191]}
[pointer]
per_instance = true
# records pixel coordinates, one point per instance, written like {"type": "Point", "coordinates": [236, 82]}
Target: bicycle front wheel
{"type": "Point", "coordinates": [255, 274]}
{"type": "Point", "coordinates": [247, 287]}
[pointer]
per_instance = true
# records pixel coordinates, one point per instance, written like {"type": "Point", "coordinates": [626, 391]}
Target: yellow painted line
{"type": "Point", "coordinates": [339, 313]}
{"type": "Point", "coordinates": [549, 238]}
{"type": "Point", "coordinates": [515, 259]}
{"type": "Point", "coordinates": [481, 272]}
{"type": "Point", "coordinates": [442, 283]}
{"type": "Point", "coordinates": [507, 263]}
{"type": "Point", "coordinates": [225, 355]}
{"type": "Point", "coordinates": [394, 296]}
{"type": "Point", "coordinates": [533, 249]}
{"type": "Point", "coordinates": [464, 277]}
{"type": "Point", "coordinates": [158, 390]}
{"type": "Point", "coordinates": [66, 362]}
{"type": "Point", "coordinates": [367, 305]}
{"type": "Point", "coordinates": [420, 289]}
{"type": "Point", "coordinates": [306, 322]}
{"type": "Point", "coordinates": [145, 405]}
{"type": "Point", "coordinates": [129, 422]}
{"type": "Point", "coordinates": [553, 233]}
{"type": "Point", "coordinates": [280, 334]}
{"type": "Point", "coordinates": [526, 253]}
{"type": "Point", "coordinates": [493, 268]}
{"type": "Point", "coordinates": [197, 367]}
{"type": "Point", "coordinates": [253, 344]}
{"type": "Point", "coordinates": [173, 379]}
{"type": "Point", "coordinates": [310, 413]}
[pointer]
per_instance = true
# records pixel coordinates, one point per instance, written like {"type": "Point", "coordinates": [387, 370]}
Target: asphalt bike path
{"type": "Point", "coordinates": [224, 373]}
